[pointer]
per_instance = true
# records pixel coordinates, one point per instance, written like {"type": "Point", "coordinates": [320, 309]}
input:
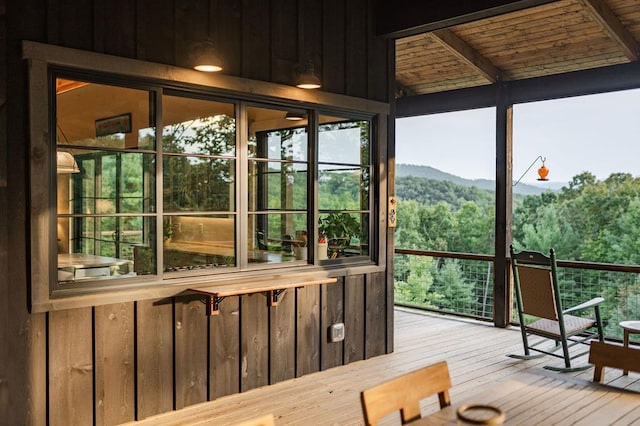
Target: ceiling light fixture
{"type": "Point", "coordinates": [295, 116]}
{"type": "Point", "coordinates": [306, 77]}
{"type": "Point", "coordinates": [205, 57]}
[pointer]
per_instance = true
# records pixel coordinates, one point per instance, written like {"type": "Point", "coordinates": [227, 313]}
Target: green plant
{"type": "Point", "coordinates": [339, 226]}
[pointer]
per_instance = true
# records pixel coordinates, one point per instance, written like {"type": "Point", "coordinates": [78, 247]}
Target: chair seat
{"type": "Point", "coordinates": [572, 325]}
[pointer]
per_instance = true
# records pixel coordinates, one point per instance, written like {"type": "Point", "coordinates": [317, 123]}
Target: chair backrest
{"type": "Point", "coordinates": [264, 420]}
{"type": "Point", "coordinates": [405, 392]}
{"type": "Point", "coordinates": [534, 276]}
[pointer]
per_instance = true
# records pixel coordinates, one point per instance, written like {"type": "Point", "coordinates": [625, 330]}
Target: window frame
{"type": "Point", "coordinates": [101, 68]}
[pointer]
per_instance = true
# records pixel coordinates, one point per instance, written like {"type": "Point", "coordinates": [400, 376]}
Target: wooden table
{"type": "Point", "coordinates": [629, 327]}
{"type": "Point", "coordinates": [541, 400]}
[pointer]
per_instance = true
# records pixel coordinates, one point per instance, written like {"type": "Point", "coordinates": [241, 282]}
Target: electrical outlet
{"type": "Point", "coordinates": [336, 332]}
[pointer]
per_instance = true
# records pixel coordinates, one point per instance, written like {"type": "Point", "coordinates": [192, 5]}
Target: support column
{"type": "Point", "coordinates": [504, 131]}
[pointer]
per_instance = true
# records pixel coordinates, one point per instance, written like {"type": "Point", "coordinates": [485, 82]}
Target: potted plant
{"type": "Point", "coordinates": [339, 228]}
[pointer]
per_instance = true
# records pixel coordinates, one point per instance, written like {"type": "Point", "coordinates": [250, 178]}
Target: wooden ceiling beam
{"type": "Point", "coordinates": [468, 54]}
{"type": "Point", "coordinates": [614, 28]}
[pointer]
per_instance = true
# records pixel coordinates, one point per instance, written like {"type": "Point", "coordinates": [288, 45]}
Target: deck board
{"type": "Point", "coordinates": [476, 355]}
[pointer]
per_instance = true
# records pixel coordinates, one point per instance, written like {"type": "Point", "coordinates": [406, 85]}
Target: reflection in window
{"type": "Point", "coordinates": [344, 174]}
{"type": "Point", "coordinates": [278, 187]}
{"type": "Point", "coordinates": [199, 163]}
{"type": "Point", "coordinates": [106, 194]}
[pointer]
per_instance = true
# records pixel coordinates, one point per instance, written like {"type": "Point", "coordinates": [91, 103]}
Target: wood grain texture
{"type": "Point", "coordinates": [71, 367]}
{"type": "Point", "coordinates": [332, 302]}
{"type": "Point", "coordinates": [114, 364]}
{"type": "Point", "coordinates": [376, 325]}
{"type": "Point", "coordinates": [154, 362]}
{"type": "Point", "coordinates": [155, 37]}
{"type": "Point", "coordinates": [333, 48]}
{"type": "Point", "coordinates": [225, 349]}
{"type": "Point", "coordinates": [308, 330]}
{"type": "Point", "coordinates": [191, 340]}
{"type": "Point", "coordinates": [256, 32]}
{"type": "Point", "coordinates": [254, 343]}
{"type": "Point", "coordinates": [354, 318]}
{"type": "Point", "coordinates": [356, 71]}
{"type": "Point", "coordinates": [282, 331]}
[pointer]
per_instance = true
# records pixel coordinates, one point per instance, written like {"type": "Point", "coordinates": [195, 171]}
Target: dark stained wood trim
{"type": "Point", "coordinates": [587, 82]}
{"type": "Point", "coordinates": [307, 330]}
{"type": "Point", "coordinates": [501, 288]}
{"type": "Point", "coordinates": [375, 315]}
{"type": "Point", "coordinates": [155, 36]}
{"type": "Point", "coordinates": [403, 18]}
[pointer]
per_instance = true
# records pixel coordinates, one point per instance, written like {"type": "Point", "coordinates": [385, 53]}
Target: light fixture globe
{"type": "Point", "coordinates": [306, 77]}
{"type": "Point", "coordinates": [66, 163]}
{"type": "Point", "coordinates": [205, 57]}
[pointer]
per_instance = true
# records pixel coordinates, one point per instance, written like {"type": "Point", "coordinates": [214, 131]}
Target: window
{"type": "Point", "coordinates": [160, 183]}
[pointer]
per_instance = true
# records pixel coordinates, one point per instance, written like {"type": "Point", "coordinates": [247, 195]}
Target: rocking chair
{"type": "Point", "coordinates": [538, 297]}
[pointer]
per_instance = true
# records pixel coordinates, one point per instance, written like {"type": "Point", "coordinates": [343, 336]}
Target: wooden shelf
{"type": "Point", "coordinates": [272, 289]}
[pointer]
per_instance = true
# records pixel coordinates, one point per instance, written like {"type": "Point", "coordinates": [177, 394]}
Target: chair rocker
{"type": "Point", "coordinates": [537, 295]}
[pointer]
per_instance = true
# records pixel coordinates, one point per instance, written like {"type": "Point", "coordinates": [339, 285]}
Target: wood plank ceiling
{"type": "Point", "coordinates": [558, 37]}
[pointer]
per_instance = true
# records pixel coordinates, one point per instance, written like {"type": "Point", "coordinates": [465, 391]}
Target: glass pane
{"type": "Point", "coordinates": [343, 188]}
{"type": "Point", "coordinates": [347, 234]}
{"type": "Point", "coordinates": [277, 186]}
{"type": "Point", "coordinates": [272, 136]}
{"type": "Point", "coordinates": [278, 238]}
{"type": "Point", "coordinates": [198, 242]}
{"type": "Point", "coordinates": [198, 184]}
{"type": "Point", "coordinates": [195, 126]}
{"type": "Point", "coordinates": [109, 247]}
{"type": "Point", "coordinates": [110, 182]}
{"type": "Point", "coordinates": [343, 141]}
{"type": "Point", "coordinates": [99, 115]}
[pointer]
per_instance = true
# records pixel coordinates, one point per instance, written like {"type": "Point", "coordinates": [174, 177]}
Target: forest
{"type": "Point", "coordinates": [586, 220]}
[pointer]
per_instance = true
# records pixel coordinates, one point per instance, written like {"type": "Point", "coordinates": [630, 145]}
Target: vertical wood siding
{"type": "Point", "coordinates": [110, 364]}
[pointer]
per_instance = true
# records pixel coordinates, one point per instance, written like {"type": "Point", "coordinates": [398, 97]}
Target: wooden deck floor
{"type": "Point", "coordinates": [476, 356]}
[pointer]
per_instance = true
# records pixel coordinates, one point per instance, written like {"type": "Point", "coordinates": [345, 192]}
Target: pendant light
{"type": "Point", "coordinates": [205, 57]}
{"type": "Point", "coordinates": [66, 163]}
{"type": "Point", "coordinates": [306, 77]}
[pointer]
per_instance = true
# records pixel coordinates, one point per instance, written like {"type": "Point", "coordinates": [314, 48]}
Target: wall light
{"type": "Point", "coordinates": [543, 172]}
{"type": "Point", "coordinates": [205, 57]}
{"type": "Point", "coordinates": [306, 77]}
{"type": "Point", "coordinates": [295, 116]}
{"type": "Point", "coordinates": [66, 163]}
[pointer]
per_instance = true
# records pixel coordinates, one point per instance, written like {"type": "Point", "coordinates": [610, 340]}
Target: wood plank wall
{"type": "Point", "coordinates": [114, 363]}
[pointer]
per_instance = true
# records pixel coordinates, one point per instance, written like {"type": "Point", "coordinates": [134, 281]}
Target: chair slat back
{"type": "Point", "coordinates": [405, 392]}
{"type": "Point", "coordinates": [538, 296]}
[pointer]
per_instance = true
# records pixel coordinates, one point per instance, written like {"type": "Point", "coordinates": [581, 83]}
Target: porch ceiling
{"type": "Point", "coordinates": [558, 37]}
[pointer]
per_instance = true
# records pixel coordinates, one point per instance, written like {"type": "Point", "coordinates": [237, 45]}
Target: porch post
{"type": "Point", "coordinates": [501, 288]}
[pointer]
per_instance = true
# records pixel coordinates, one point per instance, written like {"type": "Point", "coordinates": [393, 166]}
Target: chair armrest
{"type": "Point", "coordinates": [593, 302]}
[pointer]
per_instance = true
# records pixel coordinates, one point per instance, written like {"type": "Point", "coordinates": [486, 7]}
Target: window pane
{"type": "Point", "coordinates": [343, 141]}
{"type": "Point", "coordinates": [98, 115]}
{"type": "Point", "coordinates": [277, 238]}
{"type": "Point", "coordinates": [195, 126]}
{"type": "Point", "coordinates": [105, 181]}
{"type": "Point", "coordinates": [198, 184]}
{"type": "Point", "coordinates": [277, 186]}
{"type": "Point", "coordinates": [347, 234]}
{"type": "Point", "coordinates": [198, 242]}
{"type": "Point", "coordinates": [343, 188]}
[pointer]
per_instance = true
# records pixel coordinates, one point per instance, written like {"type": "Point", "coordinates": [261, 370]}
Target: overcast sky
{"type": "Point", "coordinates": [597, 133]}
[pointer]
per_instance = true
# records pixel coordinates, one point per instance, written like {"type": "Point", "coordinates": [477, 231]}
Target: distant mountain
{"type": "Point", "coordinates": [428, 172]}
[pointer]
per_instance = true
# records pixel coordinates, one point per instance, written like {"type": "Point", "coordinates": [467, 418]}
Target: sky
{"type": "Point", "coordinates": [595, 133]}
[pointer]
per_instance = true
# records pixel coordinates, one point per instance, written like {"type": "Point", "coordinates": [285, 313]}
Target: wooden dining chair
{"type": "Point", "coordinates": [405, 392]}
{"type": "Point", "coordinates": [264, 420]}
{"type": "Point", "coordinates": [541, 314]}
